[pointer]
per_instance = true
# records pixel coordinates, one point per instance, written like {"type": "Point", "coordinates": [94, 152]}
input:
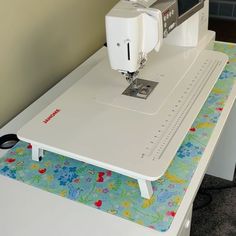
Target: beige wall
{"type": "Point", "coordinates": [41, 42]}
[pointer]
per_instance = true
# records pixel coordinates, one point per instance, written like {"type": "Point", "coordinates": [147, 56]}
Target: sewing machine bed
{"type": "Point", "coordinates": [93, 122]}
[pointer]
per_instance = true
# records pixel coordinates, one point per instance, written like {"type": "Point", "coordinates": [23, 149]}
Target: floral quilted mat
{"type": "Point", "coordinates": [117, 194]}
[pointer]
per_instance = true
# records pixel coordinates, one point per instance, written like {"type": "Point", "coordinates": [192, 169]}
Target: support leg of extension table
{"type": "Point", "coordinates": [37, 153]}
{"type": "Point", "coordinates": [145, 188]}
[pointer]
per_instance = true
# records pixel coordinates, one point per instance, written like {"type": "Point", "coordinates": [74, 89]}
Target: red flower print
{"type": "Point", "coordinates": [171, 213]}
{"type": "Point", "coordinates": [98, 203]}
{"type": "Point", "coordinates": [42, 171]}
{"type": "Point", "coordinates": [10, 160]}
{"type": "Point", "coordinates": [100, 174]}
{"type": "Point", "coordinates": [29, 146]}
{"type": "Point", "coordinates": [193, 129]}
{"type": "Point", "coordinates": [100, 179]}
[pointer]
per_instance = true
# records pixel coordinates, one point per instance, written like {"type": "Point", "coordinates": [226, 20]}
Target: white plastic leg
{"type": "Point", "coordinates": [37, 153]}
{"type": "Point", "coordinates": [145, 188]}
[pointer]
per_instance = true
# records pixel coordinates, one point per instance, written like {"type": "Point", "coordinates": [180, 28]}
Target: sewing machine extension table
{"type": "Point", "coordinates": [95, 123]}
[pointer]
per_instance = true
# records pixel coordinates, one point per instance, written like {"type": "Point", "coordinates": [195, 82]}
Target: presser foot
{"type": "Point", "coordinates": [130, 76]}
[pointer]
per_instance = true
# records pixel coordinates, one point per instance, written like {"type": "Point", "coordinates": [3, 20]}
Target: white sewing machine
{"type": "Point", "coordinates": [135, 127]}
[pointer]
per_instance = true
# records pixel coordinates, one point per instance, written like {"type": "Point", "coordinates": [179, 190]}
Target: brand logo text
{"type": "Point", "coordinates": [54, 113]}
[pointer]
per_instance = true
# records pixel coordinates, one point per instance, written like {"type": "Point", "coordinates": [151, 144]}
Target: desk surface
{"type": "Point", "coordinates": [24, 205]}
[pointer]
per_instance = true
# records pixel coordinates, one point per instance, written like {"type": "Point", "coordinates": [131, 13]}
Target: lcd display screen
{"type": "Point", "coordinates": [185, 5]}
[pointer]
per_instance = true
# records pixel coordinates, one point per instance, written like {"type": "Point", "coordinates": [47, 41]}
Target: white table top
{"type": "Point", "coordinates": [99, 125]}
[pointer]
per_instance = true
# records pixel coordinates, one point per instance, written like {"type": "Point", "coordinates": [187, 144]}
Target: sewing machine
{"type": "Point", "coordinates": [134, 28]}
{"type": "Point", "coordinates": [135, 127]}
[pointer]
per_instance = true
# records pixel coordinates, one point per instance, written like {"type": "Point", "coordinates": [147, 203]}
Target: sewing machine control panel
{"type": "Point", "coordinates": [169, 19]}
{"type": "Point", "coordinates": [169, 11]}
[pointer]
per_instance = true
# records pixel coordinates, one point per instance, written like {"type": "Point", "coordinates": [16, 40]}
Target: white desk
{"type": "Point", "coordinates": [27, 211]}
